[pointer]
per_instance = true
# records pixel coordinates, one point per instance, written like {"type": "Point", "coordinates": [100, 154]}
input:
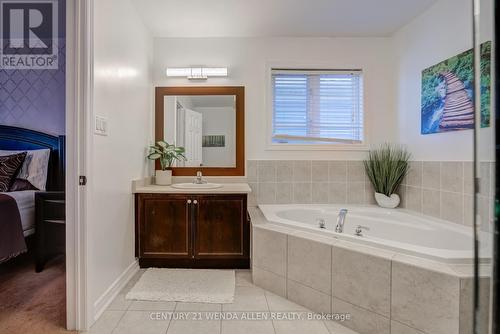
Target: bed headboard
{"type": "Point", "coordinates": [14, 138]}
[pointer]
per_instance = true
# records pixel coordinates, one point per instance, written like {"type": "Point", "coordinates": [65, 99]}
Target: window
{"type": "Point", "coordinates": [314, 107]}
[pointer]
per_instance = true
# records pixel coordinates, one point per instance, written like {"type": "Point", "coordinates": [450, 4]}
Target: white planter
{"type": "Point", "coordinates": [386, 201]}
{"type": "Point", "coordinates": [163, 177]}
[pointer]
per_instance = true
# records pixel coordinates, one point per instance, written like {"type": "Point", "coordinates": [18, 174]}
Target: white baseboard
{"type": "Point", "coordinates": [107, 297]}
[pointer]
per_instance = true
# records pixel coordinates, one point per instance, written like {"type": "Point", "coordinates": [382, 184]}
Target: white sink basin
{"type": "Point", "coordinates": [196, 186]}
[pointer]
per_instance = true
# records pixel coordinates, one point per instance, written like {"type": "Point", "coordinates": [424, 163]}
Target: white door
{"type": "Point", "coordinates": [193, 138]}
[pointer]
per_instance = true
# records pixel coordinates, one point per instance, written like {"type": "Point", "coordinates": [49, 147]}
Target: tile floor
{"type": "Point", "coordinates": [127, 317]}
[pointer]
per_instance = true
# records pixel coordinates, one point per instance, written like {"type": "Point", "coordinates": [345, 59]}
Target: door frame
{"type": "Point", "coordinates": [79, 78]}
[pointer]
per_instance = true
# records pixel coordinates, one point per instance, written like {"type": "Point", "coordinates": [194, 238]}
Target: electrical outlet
{"type": "Point", "coordinates": [101, 126]}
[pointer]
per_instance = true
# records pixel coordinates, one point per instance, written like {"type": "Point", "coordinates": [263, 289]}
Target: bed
{"type": "Point", "coordinates": [19, 139]}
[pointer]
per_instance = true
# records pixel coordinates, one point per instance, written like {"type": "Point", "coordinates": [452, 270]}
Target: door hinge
{"type": "Point", "coordinates": [82, 180]}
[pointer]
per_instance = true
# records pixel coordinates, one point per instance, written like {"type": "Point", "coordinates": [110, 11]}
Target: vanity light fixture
{"type": "Point", "coordinates": [197, 73]}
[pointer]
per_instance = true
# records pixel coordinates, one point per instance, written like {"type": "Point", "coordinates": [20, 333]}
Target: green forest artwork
{"type": "Point", "coordinates": [448, 93]}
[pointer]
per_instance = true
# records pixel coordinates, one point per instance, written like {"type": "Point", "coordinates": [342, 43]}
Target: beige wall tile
{"type": "Point", "coordinates": [302, 171]}
{"type": "Point", "coordinates": [370, 193]}
{"type": "Point", "coordinates": [425, 300]}
{"type": "Point", "coordinates": [466, 305]}
{"type": "Point", "coordinates": [356, 192]}
{"type": "Point", "coordinates": [337, 171]}
{"type": "Point", "coordinates": [468, 178]}
{"type": "Point", "coordinates": [320, 171]}
{"type": "Point", "coordinates": [402, 195]}
{"type": "Point", "coordinates": [267, 193]}
{"type": "Point", "coordinates": [284, 171]}
{"type": "Point", "coordinates": [356, 171]}
{"type": "Point", "coordinates": [284, 193]}
{"type": "Point", "coordinates": [452, 207]}
{"type": "Point", "coordinates": [484, 178]}
{"type": "Point", "coordinates": [431, 174]}
{"type": "Point", "coordinates": [246, 298]}
{"type": "Point", "coordinates": [281, 304]}
{"type": "Point", "coordinates": [338, 192]}
{"type": "Point", "coordinates": [252, 171]}
{"type": "Point", "coordinates": [468, 210]}
{"type": "Point", "coordinates": [484, 209]}
{"type": "Point", "coordinates": [361, 279]}
{"type": "Point", "coordinates": [431, 202]}
{"type": "Point", "coordinates": [362, 321]}
{"type": "Point", "coordinates": [269, 250]}
{"type": "Point", "coordinates": [302, 193]}
{"type": "Point", "coordinates": [413, 200]}
{"type": "Point", "coordinates": [320, 193]}
{"type": "Point", "coordinates": [309, 262]}
{"type": "Point", "coordinates": [414, 176]}
{"type": "Point", "coordinates": [313, 299]}
{"type": "Point", "coordinates": [269, 281]}
{"type": "Point", "coordinates": [452, 176]}
{"type": "Point", "coordinates": [267, 170]}
{"type": "Point", "coordinates": [252, 197]}
{"type": "Point", "coordinates": [280, 182]}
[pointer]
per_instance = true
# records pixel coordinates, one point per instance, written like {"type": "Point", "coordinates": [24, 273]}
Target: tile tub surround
{"type": "Point", "coordinates": [384, 291]}
{"type": "Point", "coordinates": [445, 190]}
{"type": "Point", "coordinates": [305, 181]}
{"type": "Point", "coordinates": [441, 189]}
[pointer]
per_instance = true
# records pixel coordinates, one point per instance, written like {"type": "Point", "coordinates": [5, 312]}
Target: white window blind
{"type": "Point", "coordinates": [317, 107]}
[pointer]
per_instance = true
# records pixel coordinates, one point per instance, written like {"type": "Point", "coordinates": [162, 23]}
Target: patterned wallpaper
{"type": "Point", "coordinates": [35, 99]}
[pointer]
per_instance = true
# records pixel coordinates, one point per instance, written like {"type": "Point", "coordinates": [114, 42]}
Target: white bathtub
{"type": "Point", "coordinates": [397, 230]}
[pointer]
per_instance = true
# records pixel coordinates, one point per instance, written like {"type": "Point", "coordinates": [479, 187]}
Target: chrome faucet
{"type": "Point", "coordinates": [340, 221]}
{"type": "Point", "coordinates": [199, 178]}
{"type": "Point", "coordinates": [359, 230]}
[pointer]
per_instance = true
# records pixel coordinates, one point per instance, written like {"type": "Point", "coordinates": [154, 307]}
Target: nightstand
{"type": "Point", "coordinates": [50, 226]}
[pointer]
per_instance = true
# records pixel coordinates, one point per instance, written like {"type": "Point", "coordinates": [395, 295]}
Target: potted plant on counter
{"type": "Point", "coordinates": [386, 168]}
{"type": "Point", "coordinates": [167, 154]}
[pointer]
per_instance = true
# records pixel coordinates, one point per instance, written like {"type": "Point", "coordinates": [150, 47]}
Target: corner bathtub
{"type": "Point", "coordinates": [396, 229]}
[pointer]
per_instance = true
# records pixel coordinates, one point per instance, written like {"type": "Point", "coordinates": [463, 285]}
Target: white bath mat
{"type": "Point", "coordinates": [185, 285]}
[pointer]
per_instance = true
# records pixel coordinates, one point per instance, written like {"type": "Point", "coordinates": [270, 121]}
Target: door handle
{"type": "Point", "coordinates": [188, 201]}
{"type": "Point", "coordinates": [195, 202]}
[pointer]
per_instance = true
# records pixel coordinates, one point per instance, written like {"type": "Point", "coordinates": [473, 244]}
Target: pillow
{"type": "Point", "coordinates": [35, 167]}
{"type": "Point", "coordinates": [9, 166]}
{"type": "Point", "coordinates": [21, 185]}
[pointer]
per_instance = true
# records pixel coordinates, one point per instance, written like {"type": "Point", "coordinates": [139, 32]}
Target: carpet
{"type": "Point", "coordinates": [185, 285]}
{"type": "Point", "coordinates": [32, 302]}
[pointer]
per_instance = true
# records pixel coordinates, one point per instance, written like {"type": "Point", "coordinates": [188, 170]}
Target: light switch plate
{"type": "Point", "coordinates": [101, 126]}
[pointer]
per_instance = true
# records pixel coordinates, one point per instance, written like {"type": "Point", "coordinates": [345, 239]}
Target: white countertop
{"type": "Point", "coordinates": [227, 188]}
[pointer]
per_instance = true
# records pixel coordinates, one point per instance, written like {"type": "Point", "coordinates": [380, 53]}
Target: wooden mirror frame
{"type": "Point", "coordinates": [239, 92]}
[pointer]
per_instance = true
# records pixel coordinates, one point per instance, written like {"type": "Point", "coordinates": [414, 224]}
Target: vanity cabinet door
{"type": "Point", "coordinates": [164, 227]}
{"type": "Point", "coordinates": [221, 227]}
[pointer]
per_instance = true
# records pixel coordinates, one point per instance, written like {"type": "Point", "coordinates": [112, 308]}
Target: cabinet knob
{"type": "Point", "coordinates": [188, 201]}
{"type": "Point", "coordinates": [195, 202]}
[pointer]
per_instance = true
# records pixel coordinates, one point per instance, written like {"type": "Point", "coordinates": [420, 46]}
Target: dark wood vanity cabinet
{"type": "Point", "coordinates": [192, 231]}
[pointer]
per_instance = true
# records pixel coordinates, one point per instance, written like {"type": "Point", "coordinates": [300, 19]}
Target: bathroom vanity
{"type": "Point", "coordinates": [197, 224]}
{"type": "Point", "coordinates": [192, 229]}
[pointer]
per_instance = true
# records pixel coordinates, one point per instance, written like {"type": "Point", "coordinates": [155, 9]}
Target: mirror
{"type": "Point", "coordinates": [208, 123]}
{"type": "Point", "coordinates": [205, 125]}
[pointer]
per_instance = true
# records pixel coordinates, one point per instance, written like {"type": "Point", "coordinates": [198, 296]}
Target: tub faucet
{"type": "Point", "coordinates": [199, 178]}
{"type": "Point", "coordinates": [359, 230]}
{"type": "Point", "coordinates": [340, 221]}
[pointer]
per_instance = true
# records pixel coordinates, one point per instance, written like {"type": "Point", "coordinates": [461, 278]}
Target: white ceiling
{"type": "Point", "coordinates": [278, 18]}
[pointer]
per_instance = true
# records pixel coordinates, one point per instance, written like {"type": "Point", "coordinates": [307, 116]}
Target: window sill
{"type": "Point", "coordinates": [326, 147]}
